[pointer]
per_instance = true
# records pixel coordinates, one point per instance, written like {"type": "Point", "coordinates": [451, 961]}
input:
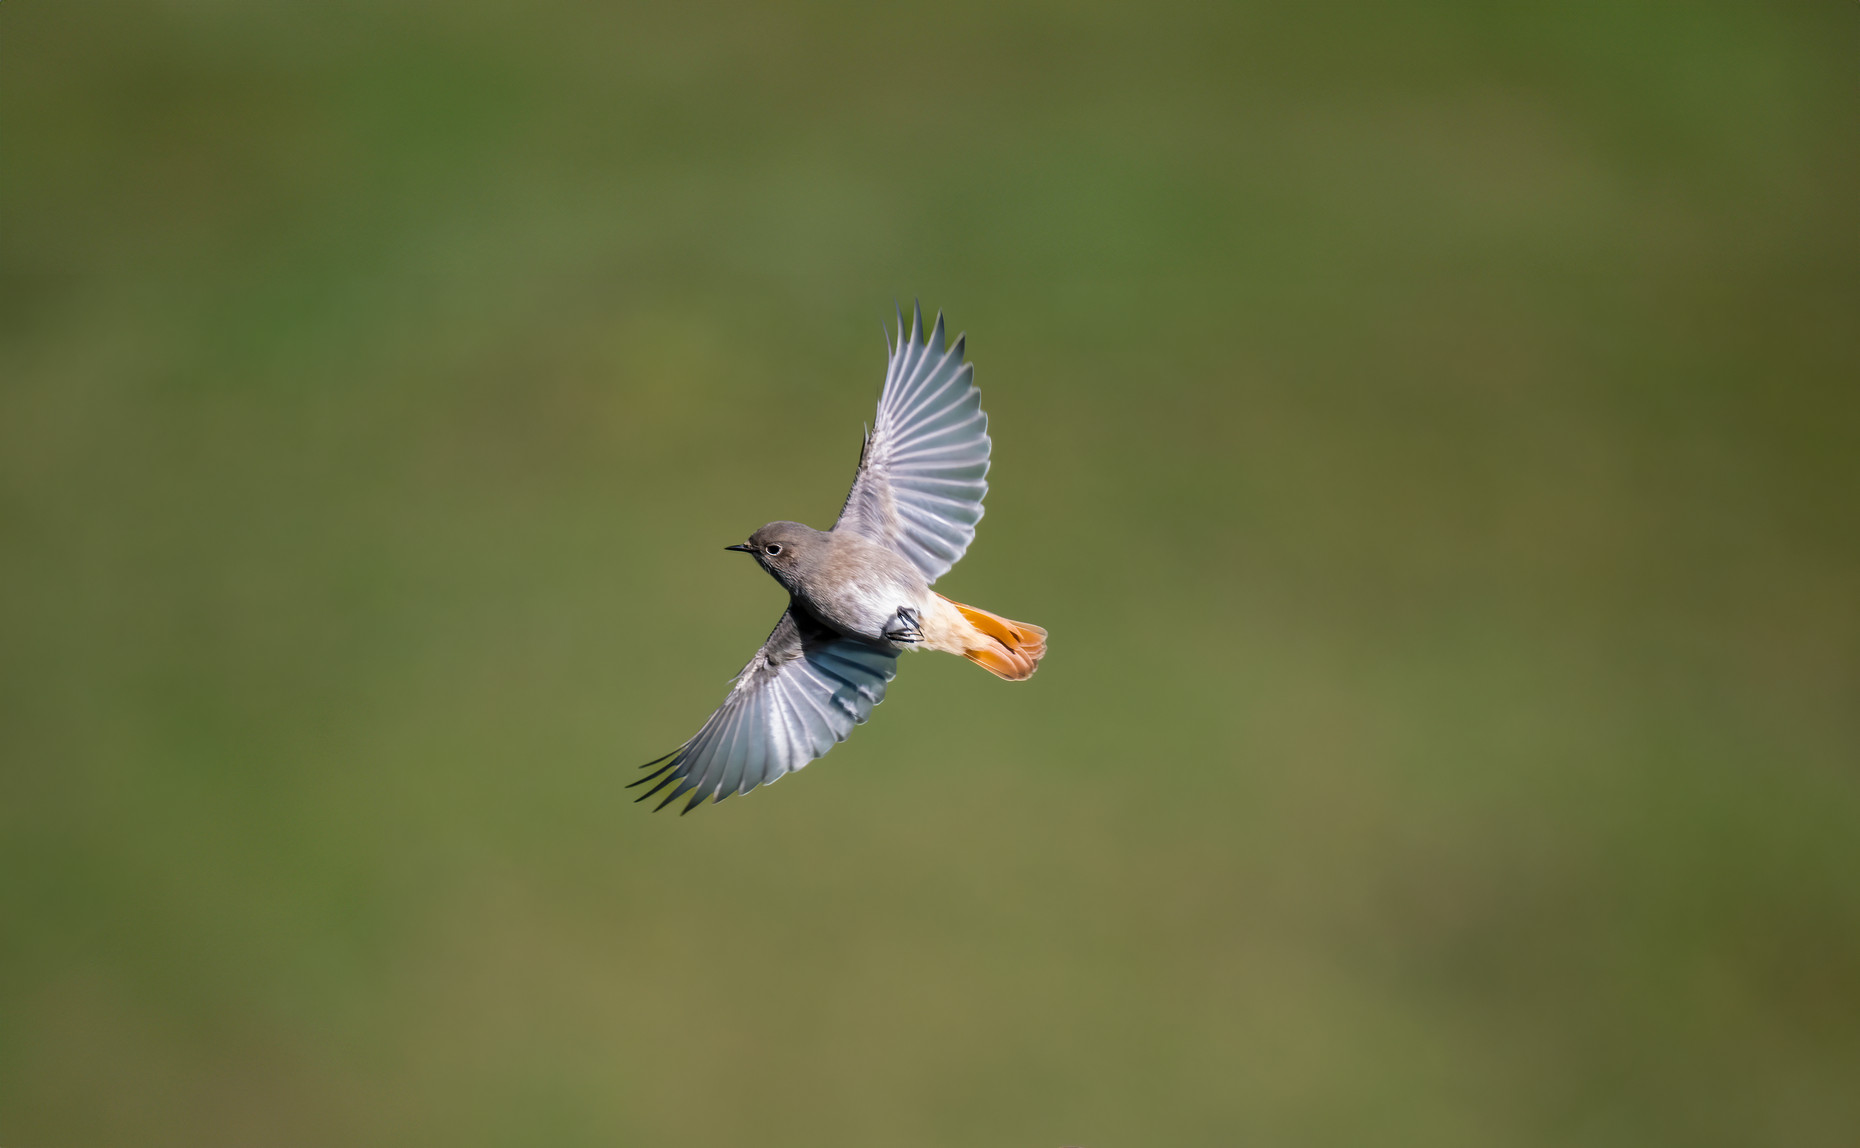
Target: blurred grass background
{"type": "Point", "coordinates": [1427, 430]}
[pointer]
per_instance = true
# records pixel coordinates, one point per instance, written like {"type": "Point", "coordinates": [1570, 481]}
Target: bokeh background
{"type": "Point", "coordinates": [1427, 429]}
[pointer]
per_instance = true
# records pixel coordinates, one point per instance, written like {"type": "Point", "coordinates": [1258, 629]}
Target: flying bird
{"type": "Point", "coordinates": [859, 594]}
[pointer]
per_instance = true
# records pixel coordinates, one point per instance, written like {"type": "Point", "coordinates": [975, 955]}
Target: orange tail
{"type": "Point", "coordinates": [1006, 649]}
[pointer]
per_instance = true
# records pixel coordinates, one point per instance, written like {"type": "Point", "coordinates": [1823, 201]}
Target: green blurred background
{"type": "Point", "coordinates": [1427, 430]}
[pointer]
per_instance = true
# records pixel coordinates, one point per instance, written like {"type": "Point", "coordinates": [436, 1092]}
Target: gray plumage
{"type": "Point", "coordinates": [920, 484]}
{"type": "Point", "coordinates": [859, 592]}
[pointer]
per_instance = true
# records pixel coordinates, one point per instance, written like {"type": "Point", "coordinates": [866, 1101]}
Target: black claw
{"type": "Point", "coordinates": [905, 626]}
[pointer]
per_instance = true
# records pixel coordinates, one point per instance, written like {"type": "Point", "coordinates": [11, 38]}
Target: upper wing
{"type": "Point", "coordinates": [920, 483]}
{"type": "Point", "coordinates": [805, 689]}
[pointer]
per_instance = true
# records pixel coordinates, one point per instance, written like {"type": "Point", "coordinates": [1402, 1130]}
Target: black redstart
{"type": "Point", "coordinates": [859, 594]}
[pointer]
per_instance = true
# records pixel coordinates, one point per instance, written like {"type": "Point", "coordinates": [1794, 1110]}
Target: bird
{"type": "Point", "coordinates": [859, 594]}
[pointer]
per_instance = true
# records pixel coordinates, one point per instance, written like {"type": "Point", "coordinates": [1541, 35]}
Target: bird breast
{"type": "Point", "coordinates": [859, 586]}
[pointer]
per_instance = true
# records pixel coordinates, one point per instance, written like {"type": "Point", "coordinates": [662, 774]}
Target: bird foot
{"type": "Point", "coordinates": [904, 626]}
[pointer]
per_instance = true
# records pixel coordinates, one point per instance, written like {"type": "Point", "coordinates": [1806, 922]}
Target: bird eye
{"type": "Point", "coordinates": [772, 549]}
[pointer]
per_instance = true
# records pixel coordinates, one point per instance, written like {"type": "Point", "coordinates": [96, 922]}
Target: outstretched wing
{"type": "Point", "coordinates": [805, 689]}
{"type": "Point", "coordinates": [920, 484]}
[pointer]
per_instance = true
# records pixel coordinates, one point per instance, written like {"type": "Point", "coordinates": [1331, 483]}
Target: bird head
{"type": "Point", "coordinates": [783, 548]}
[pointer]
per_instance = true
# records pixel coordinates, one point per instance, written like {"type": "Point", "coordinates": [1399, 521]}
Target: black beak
{"type": "Point", "coordinates": [743, 546]}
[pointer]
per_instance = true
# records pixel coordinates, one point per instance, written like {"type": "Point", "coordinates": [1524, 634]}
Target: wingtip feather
{"type": "Point", "coordinates": [683, 787]}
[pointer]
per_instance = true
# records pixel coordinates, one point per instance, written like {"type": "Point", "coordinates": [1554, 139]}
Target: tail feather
{"type": "Point", "coordinates": [1005, 648]}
